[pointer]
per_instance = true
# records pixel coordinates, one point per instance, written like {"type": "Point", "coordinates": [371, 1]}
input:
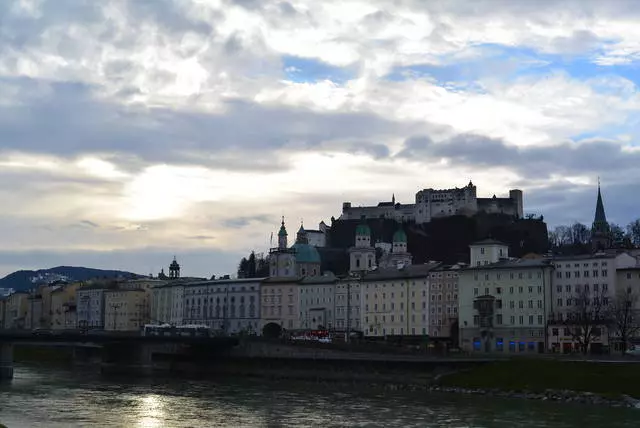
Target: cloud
{"type": "Point", "coordinates": [132, 131]}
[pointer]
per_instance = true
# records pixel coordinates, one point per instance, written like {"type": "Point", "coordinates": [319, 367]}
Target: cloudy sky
{"type": "Point", "coordinates": [134, 130]}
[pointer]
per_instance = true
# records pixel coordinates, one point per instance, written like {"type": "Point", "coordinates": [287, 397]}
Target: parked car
{"type": "Point", "coordinates": [634, 350]}
{"type": "Point", "coordinates": [41, 331]}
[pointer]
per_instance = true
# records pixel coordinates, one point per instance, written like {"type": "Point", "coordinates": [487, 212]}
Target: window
{"type": "Point", "coordinates": [475, 291]}
{"type": "Point", "coordinates": [511, 290]}
{"type": "Point", "coordinates": [512, 319]}
{"type": "Point", "coordinates": [481, 250]}
{"type": "Point", "coordinates": [530, 319]}
{"type": "Point", "coordinates": [559, 302]}
{"type": "Point", "coordinates": [512, 304]}
{"type": "Point", "coordinates": [499, 319]}
{"type": "Point", "coordinates": [559, 288]}
{"type": "Point", "coordinates": [595, 273]}
{"type": "Point", "coordinates": [554, 331]}
{"type": "Point", "coordinates": [520, 275]}
{"type": "Point", "coordinates": [604, 272]}
{"type": "Point", "coordinates": [486, 277]}
{"type": "Point", "coordinates": [476, 319]}
{"type": "Point", "coordinates": [530, 290]}
{"type": "Point", "coordinates": [567, 274]}
{"type": "Point", "coordinates": [521, 319]}
{"type": "Point", "coordinates": [559, 275]}
{"type": "Point", "coordinates": [521, 304]}
{"type": "Point", "coordinates": [540, 319]}
{"type": "Point", "coordinates": [576, 274]}
{"type": "Point", "coordinates": [498, 290]}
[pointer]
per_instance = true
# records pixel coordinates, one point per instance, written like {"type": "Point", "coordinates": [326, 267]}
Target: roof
{"type": "Point", "coordinates": [327, 278]}
{"type": "Point", "coordinates": [221, 282]}
{"type": "Point", "coordinates": [281, 279]}
{"type": "Point", "coordinates": [400, 236]}
{"type": "Point", "coordinates": [600, 217]}
{"type": "Point", "coordinates": [306, 253]}
{"type": "Point", "coordinates": [363, 229]}
{"type": "Point", "coordinates": [586, 257]}
{"type": "Point", "coordinates": [124, 290]}
{"type": "Point", "coordinates": [629, 268]}
{"type": "Point", "coordinates": [515, 264]}
{"type": "Point", "coordinates": [410, 271]}
{"type": "Point", "coordinates": [489, 241]}
{"type": "Point", "coordinates": [456, 266]}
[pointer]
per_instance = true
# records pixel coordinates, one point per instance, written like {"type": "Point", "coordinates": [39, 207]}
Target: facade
{"type": "Point", "coordinates": [398, 255]}
{"type": "Point", "coordinates": [63, 306]}
{"type": "Point", "coordinates": [317, 305]}
{"type": "Point", "coordinates": [503, 304]}
{"type": "Point", "coordinates": [125, 309]}
{"type": "Point", "coordinates": [488, 251]}
{"type": "Point", "coordinates": [231, 306]}
{"type": "Point", "coordinates": [34, 310]}
{"type": "Point", "coordinates": [318, 238]}
{"type": "Point", "coordinates": [362, 256]}
{"type": "Point", "coordinates": [431, 203]}
{"type": "Point", "coordinates": [280, 298]}
{"type": "Point", "coordinates": [591, 277]}
{"type": "Point", "coordinates": [3, 302]}
{"type": "Point", "coordinates": [395, 301]}
{"type": "Point", "coordinates": [90, 306]}
{"type": "Point", "coordinates": [15, 310]}
{"type": "Point", "coordinates": [443, 300]}
{"type": "Point", "coordinates": [302, 259]}
{"type": "Point", "coordinates": [348, 306]}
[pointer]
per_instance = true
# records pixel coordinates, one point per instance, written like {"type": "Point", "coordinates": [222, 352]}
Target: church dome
{"type": "Point", "coordinates": [306, 253]}
{"type": "Point", "coordinates": [400, 236]}
{"type": "Point", "coordinates": [363, 229]}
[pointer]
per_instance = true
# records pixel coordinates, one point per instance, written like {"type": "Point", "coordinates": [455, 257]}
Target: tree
{"type": "Point", "coordinates": [243, 268]}
{"type": "Point", "coordinates": [633, 230]}
{"type": "Point", "coordinates": [255, 266]}
{"type": "Point", "coordinates": [587, 319]}
{"type": "Point", "coordinates": [624, 318]}
{"type": "Point", "coordinates": [617, 234]}
{"type": "Point", "coordinates": [580, 234]}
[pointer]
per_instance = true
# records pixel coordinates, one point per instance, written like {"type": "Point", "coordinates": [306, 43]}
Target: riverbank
{"type": "Point", "coordinates": [614, 384]}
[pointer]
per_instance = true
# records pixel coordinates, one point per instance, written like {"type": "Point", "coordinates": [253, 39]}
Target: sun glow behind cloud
{"type": "Point", "coordinates": [156, 124]}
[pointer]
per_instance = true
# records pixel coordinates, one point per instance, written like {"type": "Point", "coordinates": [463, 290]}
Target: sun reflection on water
{"type": "Point", "coordinates": [150, 411]}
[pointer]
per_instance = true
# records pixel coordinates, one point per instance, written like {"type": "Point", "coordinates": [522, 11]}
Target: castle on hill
{"type": "Point", "coordinates": [432, 203]}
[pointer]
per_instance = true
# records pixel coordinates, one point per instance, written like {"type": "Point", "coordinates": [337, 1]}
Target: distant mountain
{"type": "Point", "coordinates": [24, 280]}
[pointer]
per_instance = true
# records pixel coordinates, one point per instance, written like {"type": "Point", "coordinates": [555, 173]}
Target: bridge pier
{"type": "Point", "coordinates": [6, 361]}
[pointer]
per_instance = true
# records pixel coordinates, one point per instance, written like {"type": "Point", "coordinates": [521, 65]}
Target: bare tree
{"type": "Point", "coordinates": [580, 234]}
{"type": "Point", "coordinates": [623, 316]}
{"type": "Point", "coordinates": [633, 230]}
{"type": "Point", "coordinates": [586, 321]}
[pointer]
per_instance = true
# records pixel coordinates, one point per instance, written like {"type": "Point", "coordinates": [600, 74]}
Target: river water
{"type": "Point", "coordinates": [55, 397]}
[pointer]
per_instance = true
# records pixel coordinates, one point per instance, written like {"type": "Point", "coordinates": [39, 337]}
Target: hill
{"type": "Point", "coordinates": [445, 239]}
{"type": "Point", "coordinates": [24, 280]}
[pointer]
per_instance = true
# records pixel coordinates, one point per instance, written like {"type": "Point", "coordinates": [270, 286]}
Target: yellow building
{"type": "Point", "coordinates": [280, 303]}
{"type": "Point", "coordinates": [63, 306]}
{"type": "Point", "coordinates": [126, 309]}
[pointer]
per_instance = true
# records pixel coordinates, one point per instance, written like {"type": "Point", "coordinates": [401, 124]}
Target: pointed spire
{"type": "Point", "coordinates": [393, 199]}
{"type": "Point", "coordinates": [600, 216]}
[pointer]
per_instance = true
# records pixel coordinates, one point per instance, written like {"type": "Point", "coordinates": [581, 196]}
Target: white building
{"type": "Point", "coordinates": [90, 306]}
{"type": "Point", "coordinates": [503, 303]}
{"type": "Point", "coordinates": [317, 305]}
{"type": "Point", "coordinates": [167, 302]}
{"type": "Point", "coordinates": [348, 304]}
{"type": "Point", "coordinates": [432, 203]}
{"type": "Point", "coordinates": [395, 301]}
{"type": "Point", "coordinates": [593, 274]}
{"type": "Point", "coordinates": [229, 305]}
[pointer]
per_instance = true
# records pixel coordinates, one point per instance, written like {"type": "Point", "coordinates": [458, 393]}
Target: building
{"type": "Point", "coordinates": [231, 306]}
{"type": "Point", "coordinates": [63, 306]}
{"type": "Point", "coordinates": [125, 309]}
{"type": "Point", "coordinates": [34, 310]}
{"type": "Point", "coordinates": [280, 298]}
{"type": "Point", "coordinates": [90, 305]}
{"type": "Point", "coordinates": [318, 238]}
{"type": "Point", "coordinates": [443, 301]}
{"type": "Point", "coordinates": [348, 314]}
{"type": "Point", "coordinates": [590, 277]}
{"type": "Point", "coordinates": [302, 259]}
{"type": "Point", "coordinates": [431, 203]}
{"type": "Point", "coordinates": [3, 302]}
{"type": "Point", "coordinates": [15, 310]}
{"type": "Point", "coordinates": [600, 229]}
{"type": "Point", "coordinates": [503, 303]}
{"type": "Point", "coordinates": [317, 304]}
{"type": "Point", "coordinates": [398, 254]}
{"type": "Point", "coordinates": [395, 300]}
{"type": "Point", "coordinates": [362, 255]}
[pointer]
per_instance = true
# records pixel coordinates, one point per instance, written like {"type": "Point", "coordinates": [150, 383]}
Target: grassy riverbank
{"type": "Point", "coordinates": [538, 375]}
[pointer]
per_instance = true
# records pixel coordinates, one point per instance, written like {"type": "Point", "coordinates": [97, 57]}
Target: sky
{"type": "Point", "coordinates": [132, 131]}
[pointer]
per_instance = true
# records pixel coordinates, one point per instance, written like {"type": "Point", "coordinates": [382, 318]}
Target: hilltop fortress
{"type": "Point", "coordinates": [432, 203]}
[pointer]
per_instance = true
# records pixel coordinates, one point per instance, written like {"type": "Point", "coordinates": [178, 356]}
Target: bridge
{"type": "Point", "coordinates": [113, 349]}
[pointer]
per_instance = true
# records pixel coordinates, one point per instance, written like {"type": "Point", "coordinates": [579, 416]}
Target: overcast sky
{"type": "Point", "coordinates": [131, 131]}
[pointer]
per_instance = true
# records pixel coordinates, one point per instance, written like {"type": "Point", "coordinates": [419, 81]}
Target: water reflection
{"type": "Point", "coordinates": [58, 398]}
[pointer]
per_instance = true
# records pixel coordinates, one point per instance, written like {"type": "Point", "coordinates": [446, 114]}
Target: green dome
{"type": "Point", "coordinates": [400, 236]}
{"type": "Point", "coordinates": [363, 229]}
{"type": "Point", "coordinates": [306, 253]}
{"type": "Point", "coordinates": [283, 231]}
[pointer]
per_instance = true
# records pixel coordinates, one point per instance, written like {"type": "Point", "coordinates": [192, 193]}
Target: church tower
{"type": "Point", "coordinates": [600, 230]}
{"type": "Point", "coordinates": [282, 260]}
{"type": "Point", "coordinates": [174, 269]}
{"type": "Point", "coordinates": [282, 236]}
{"type": "Point", "coordinates": [362, 256]}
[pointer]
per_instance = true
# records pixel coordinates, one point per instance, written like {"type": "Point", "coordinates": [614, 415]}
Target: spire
{"type": "Point", "coordinates": [600, 231]}
{"type": "Point", "coordinates": [282, 235]}
{"type": "Point", "coordinates": [600, 216]}
{"type": "Point", "coordinates": [393, 199]}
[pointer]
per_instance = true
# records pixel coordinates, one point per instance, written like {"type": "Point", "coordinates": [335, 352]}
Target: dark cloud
{"type": "Point", "coordinates": [89, 223]}
{"type": "Point", "coordinates": [594, 157]}
{"type": "Point", "coordinates": [65, 119]}
{"type": "Point", "coordinates": [240, 222]}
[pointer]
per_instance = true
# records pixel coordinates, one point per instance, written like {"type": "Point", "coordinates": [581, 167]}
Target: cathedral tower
{"type": "Point", "coordinates": [362, 256]}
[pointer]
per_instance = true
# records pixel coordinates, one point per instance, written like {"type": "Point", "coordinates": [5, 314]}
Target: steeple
{"type": "Point", "coordinates": [393, 199]}
{"type": "Point", "coordinates": [174, 269]}
{"type": "Point", "coordinates": [600, 231]}
{"type": "Point", "coordinates": [282, 235]}
{"type": "Point", "coordinates": [301, 237]}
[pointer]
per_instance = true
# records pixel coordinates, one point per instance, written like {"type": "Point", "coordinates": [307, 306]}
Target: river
{"type": "Point", "coordinates": [55, 397]}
